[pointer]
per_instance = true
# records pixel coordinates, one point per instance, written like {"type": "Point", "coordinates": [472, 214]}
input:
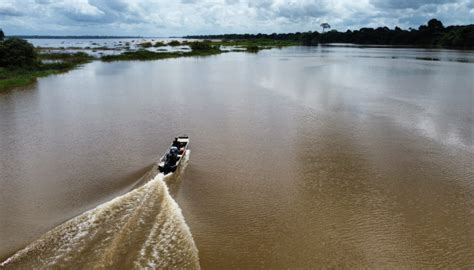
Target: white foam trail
{"type": "Point", "coordinates": [141, 229]}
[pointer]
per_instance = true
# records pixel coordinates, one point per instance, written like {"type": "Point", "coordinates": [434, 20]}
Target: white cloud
{"type": "Point", "coordinates": [181, 17]}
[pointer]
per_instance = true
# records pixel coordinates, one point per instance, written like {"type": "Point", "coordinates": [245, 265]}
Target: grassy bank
{"type": "Point", "coordinates": [20, 76]}
{"type": "Point", "coordinates": [45, 63]}
{"type": "Point", "coordinates": [54, 63]}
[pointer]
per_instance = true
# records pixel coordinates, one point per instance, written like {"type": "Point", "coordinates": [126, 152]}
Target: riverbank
{"type": "Point", "coordinates": [59, 60]}
{"type": "Point", "coordinates": [47, 64]}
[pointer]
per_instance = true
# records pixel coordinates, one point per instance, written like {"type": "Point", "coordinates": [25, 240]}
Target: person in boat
{"type": "Point", "coordinates": [172, 156]}
{"type": "Point", "coordinates": [176, 143]}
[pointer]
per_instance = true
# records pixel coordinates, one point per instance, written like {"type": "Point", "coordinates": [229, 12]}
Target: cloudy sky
{"type": "Point", "coordinates": [182, 17]}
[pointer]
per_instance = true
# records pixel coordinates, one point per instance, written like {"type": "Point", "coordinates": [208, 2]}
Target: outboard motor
{"type": "Point", "coordinates": [172, 157]}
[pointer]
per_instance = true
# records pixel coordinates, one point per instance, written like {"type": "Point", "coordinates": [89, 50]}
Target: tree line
{"type": "Point", "coordinates": [433, 34]}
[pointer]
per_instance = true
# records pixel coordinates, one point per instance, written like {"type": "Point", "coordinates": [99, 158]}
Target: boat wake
{"type": "Point", "coordinates": [142, 229]}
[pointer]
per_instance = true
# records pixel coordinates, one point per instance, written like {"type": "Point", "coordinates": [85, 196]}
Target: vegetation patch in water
{"type": "Point", "coordinates": [174, 43]}
{"type": "Point", "coordinates": [197, 49]}
{"type": "Point", "coordinates": [146, 44]}
{"type": "Point", "coordinates": [159, 44]}
{"type": "Point", "coordinates": [250, 45]}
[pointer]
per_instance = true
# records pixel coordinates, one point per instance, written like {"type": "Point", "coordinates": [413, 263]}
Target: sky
{"type": "Point", "coordinates": [160, 18]}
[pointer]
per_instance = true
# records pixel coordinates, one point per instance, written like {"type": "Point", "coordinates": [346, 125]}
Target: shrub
{"type": "Point", "coordinates": [16, 52]}
{"type": "Point", "coordinates": [146, 45]}
{"type": "Point", "coordinates": [159, 44]}
{"type": "Point", "coordinates": [174, 43]}
{"type": "Point", "coordinates": [200, 46]}
{"type": "Point", "coordinates": [253, 48]}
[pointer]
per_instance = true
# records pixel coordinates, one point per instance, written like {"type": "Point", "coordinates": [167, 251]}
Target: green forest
{"type": "Point", "coordinates": [433, 34]}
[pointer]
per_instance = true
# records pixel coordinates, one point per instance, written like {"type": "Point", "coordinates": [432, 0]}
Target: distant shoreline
{"type": "Point", "coordinates": [73, 37]}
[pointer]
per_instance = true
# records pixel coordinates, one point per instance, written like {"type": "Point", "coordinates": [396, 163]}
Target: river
{"type": "Point", "coordinates": [302, 157]}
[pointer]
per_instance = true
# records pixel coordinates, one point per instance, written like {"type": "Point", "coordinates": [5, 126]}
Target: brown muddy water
{"type": "Point", "coordinates": [301, 158]}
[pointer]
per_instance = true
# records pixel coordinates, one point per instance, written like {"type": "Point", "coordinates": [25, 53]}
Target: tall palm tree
{"type": "Point", "coordinates": [325, 26]}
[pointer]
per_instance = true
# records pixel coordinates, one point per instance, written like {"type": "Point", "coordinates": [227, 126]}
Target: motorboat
{"type": "Point", "coordinates": [171, 160]}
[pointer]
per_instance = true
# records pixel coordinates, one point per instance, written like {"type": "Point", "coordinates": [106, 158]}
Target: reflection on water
{"type": "Point", "coordinates": [342, 157]}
